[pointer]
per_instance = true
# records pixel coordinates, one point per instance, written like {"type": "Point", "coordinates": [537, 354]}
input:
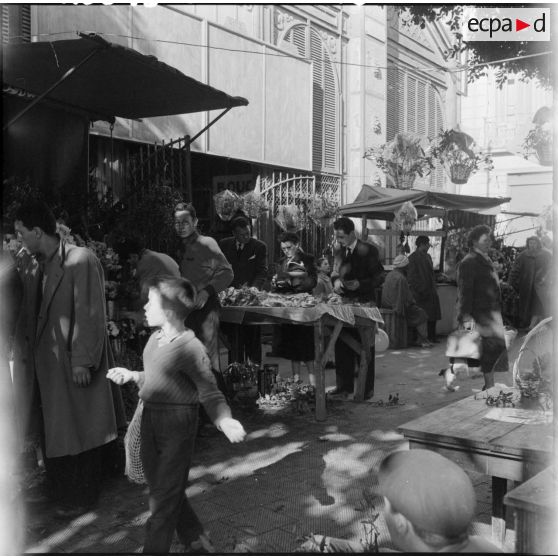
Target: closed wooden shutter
{"type": "Point", "coordinates": [414, 105]}
{"type": "Point", "coordinates": [325, 111]}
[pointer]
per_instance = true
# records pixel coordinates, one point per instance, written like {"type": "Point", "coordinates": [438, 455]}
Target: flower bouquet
{"type": "Point", "coordinates": [402, 159]}
{"type": "Point", "coordinates": [253, 205]}
{"type": "Point", "coordinates": [322, 211]}
{"type": "Point", "coordinates": [459, 155]}
{"type": "Point", "coordinates": [290, 218]}
{"type": "Point", "coordinates": [227, 203]}
{"type": "Point", "coordinates": [405, 218]}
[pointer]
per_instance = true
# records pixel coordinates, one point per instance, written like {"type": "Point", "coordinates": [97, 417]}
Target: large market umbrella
{"type": "Point", "coordinates": [106, 80]}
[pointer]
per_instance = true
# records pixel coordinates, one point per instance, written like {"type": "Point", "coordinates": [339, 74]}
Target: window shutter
{"type": "Point", "coordinates": [422, 113]}
{"type": "Point", "coordinates": [325, 131]}
{"type": "Point", "coordinates": [5, 22]}
{"type": "Point", "coordinates": [411, 104]}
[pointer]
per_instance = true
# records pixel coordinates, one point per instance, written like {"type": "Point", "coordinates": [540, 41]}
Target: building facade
{"type": "Point", "coordinates": [324, 83]}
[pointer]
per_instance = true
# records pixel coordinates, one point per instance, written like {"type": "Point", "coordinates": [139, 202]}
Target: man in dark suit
{"type": "Point", "coordinates": [248, 258]}
{"type": "Point", "coordinates": [357, 272]}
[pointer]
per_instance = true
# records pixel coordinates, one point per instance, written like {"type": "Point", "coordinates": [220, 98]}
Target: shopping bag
{"type": "Point", "coordinates": [464, 343]}
{"type": "Point", "coordinates": [132, 443]}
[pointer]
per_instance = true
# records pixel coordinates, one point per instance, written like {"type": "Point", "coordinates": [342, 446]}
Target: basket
{"type": "Point", "coordinates": [544, 154]}
{"type": "Point", "coordinates": [529, 366]}
{"type": "Point", "coordinates": [459, 173]}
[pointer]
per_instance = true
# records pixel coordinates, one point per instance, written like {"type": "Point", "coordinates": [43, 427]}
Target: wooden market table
{"type": "Point", "coordinates": [503, 443]}
{"type": "Point", "coordinates": [325, 319]}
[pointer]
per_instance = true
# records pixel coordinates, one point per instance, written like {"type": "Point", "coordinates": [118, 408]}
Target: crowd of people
{"type": "Point", "coordinates": [65, 381]}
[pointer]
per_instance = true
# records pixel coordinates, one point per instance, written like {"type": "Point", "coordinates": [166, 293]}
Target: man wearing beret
{"type": "Point", "coordinates": [430, 504]}
{"type": "Point", "coordinates": [429, 507]}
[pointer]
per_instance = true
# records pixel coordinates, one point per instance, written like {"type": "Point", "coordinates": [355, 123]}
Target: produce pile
{"type": "Point", "coordinates": [250, 296]}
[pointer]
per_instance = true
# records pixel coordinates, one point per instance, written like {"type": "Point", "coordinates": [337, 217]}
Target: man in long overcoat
{"type": "Point", "coordinates": [61, 360]}
{"type": "Point", "coordinates": [422, 281]}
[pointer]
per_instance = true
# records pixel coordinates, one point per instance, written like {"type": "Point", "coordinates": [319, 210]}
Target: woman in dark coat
{"type": "Point", "coordinates": [296, 273]}
{"type": "Point", "coordinates": [478, 303]}
{"type": "Point", "coordinates": [529, 277]}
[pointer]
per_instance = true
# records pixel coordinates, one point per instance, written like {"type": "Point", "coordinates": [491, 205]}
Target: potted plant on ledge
{"type": "Point", "coordinates": [458, 154]}
{"type": "Point", "coordinates": [401, 159]}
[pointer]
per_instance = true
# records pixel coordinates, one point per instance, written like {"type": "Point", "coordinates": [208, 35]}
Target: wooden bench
{"type": "Point", "coordinates": [395, 326]}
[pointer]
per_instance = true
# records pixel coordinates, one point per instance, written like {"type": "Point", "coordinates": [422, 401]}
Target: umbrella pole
{"type": "Point", "coordinates": [51, 88]}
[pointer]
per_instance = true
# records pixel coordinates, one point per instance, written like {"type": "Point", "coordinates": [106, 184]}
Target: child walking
{"type": "Point", "coordinates": [177, 377]}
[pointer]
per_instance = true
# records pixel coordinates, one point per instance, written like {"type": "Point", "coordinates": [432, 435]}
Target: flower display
{"type": "Point", "coordinates": [111, 290]}
{"type": "Point", "coordinates": [253, 205]}
{"type": "Point", "coordinates": [406, 217]}
{"type": "Point", "coordinates": [459, 155]}
{"type": "Point", "coordinates": [112, 329]}
{"type": "Point", "coordinates": [290, 218]}
{"type": "Point", "coordinates": [227, 203]}
{"type": "Point", "coordinates": [539, 140]}
{"type": "Point", "coordinates": [402, 159]}
{"type": "Point", "coordinates": [322, 210]}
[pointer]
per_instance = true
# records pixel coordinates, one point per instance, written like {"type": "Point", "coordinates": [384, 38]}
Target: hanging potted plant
{"type": "Point", "coordinates": [539, 141]}
{"type": "Point", "coordinates": [458, 154]}
{"type": "Point", "coordinates": [402, 159]}
{"type": "Point", "coordinates": [322, 210]}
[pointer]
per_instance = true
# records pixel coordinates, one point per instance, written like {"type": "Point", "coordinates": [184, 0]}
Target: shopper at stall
{"type": "Point", "coordinates": [296, 273]}
{"type": "Point", "coordinates": [397, 295]}
{"type": "Point", "coordinates": [177, 377]}
{"type": "Point", "coordinates": [60, 361]}
{"type": "Point", "coordinates": [357, 272]}
{"type": "Point", "coordinates": [530, 277]}
{"type": "Point", "coordinates": [478, 303]}
{"type": "Point", "coordinates": [422, 281]}
{"type": "Point", "coordinates": [145, 263]}
{"type": "Point", "coordinates": [205, 266]}
{"type": "Point", "coordinates": [248, 258]}
{"type": "Point", "coordinates": [324, 286]}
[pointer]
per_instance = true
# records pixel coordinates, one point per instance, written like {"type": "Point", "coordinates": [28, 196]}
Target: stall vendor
{"type": "Point", "coordinates": [296, 273]}
{"type": "Point", "coordinates": [205, 266]}
{"type": "Point", "coordinates": [248, 258]}
{"type": "Point", "coordinates": [357, 272]}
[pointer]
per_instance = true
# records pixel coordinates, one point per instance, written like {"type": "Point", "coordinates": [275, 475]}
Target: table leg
{"type": "Point", "coordinates": [321, 412]}
{"type": "Point", "coordinates": [367, 340]}
{"type": "Point", "coordinates": [499, 489]}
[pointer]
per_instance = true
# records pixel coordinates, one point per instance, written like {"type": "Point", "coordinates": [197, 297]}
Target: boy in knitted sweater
{"type": "Point", "coordinates": [177, 377]}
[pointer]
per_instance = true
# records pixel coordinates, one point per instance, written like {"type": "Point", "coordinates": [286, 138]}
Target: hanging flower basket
{"type": "Point", "coordinates": [539, 141]}
{"type": "Point", "coordinates": [544, 154]}
{"type": "Point", "coordinates": [458, 154]}
{"type": "Point", "coordinates": [460, 173]}
{"type": "Point", "coordinates": [290, 218]}
{"type": "Point", "coordinates": [322, 211]}
{"type": "Point", "coordinates": [402, 159]}
{"type": "Point", "coordinates": [253, 205]}
{"type": "Point", "coordinates": [227, 203]}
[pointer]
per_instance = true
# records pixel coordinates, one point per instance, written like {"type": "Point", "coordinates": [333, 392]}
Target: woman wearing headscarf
{"type": "Point", "coordinates": [530, 276]}
{"type": "Point", "coordinates": [478, 303]}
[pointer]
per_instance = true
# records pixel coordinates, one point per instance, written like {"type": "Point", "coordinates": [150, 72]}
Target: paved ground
{"type": "Point", "coordinates": [292, 477]}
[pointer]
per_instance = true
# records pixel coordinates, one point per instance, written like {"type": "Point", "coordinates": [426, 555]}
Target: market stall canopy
{"type": "Point", "coordinates": [107, 80]}
{"type": "Point", "coordinates": [381, 203]}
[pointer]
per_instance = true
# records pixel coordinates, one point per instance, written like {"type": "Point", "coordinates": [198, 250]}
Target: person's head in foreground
{"type": "Point", "coordinates": [429, 503]}
{"type": "Point", "coordinates": [170, 300]}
